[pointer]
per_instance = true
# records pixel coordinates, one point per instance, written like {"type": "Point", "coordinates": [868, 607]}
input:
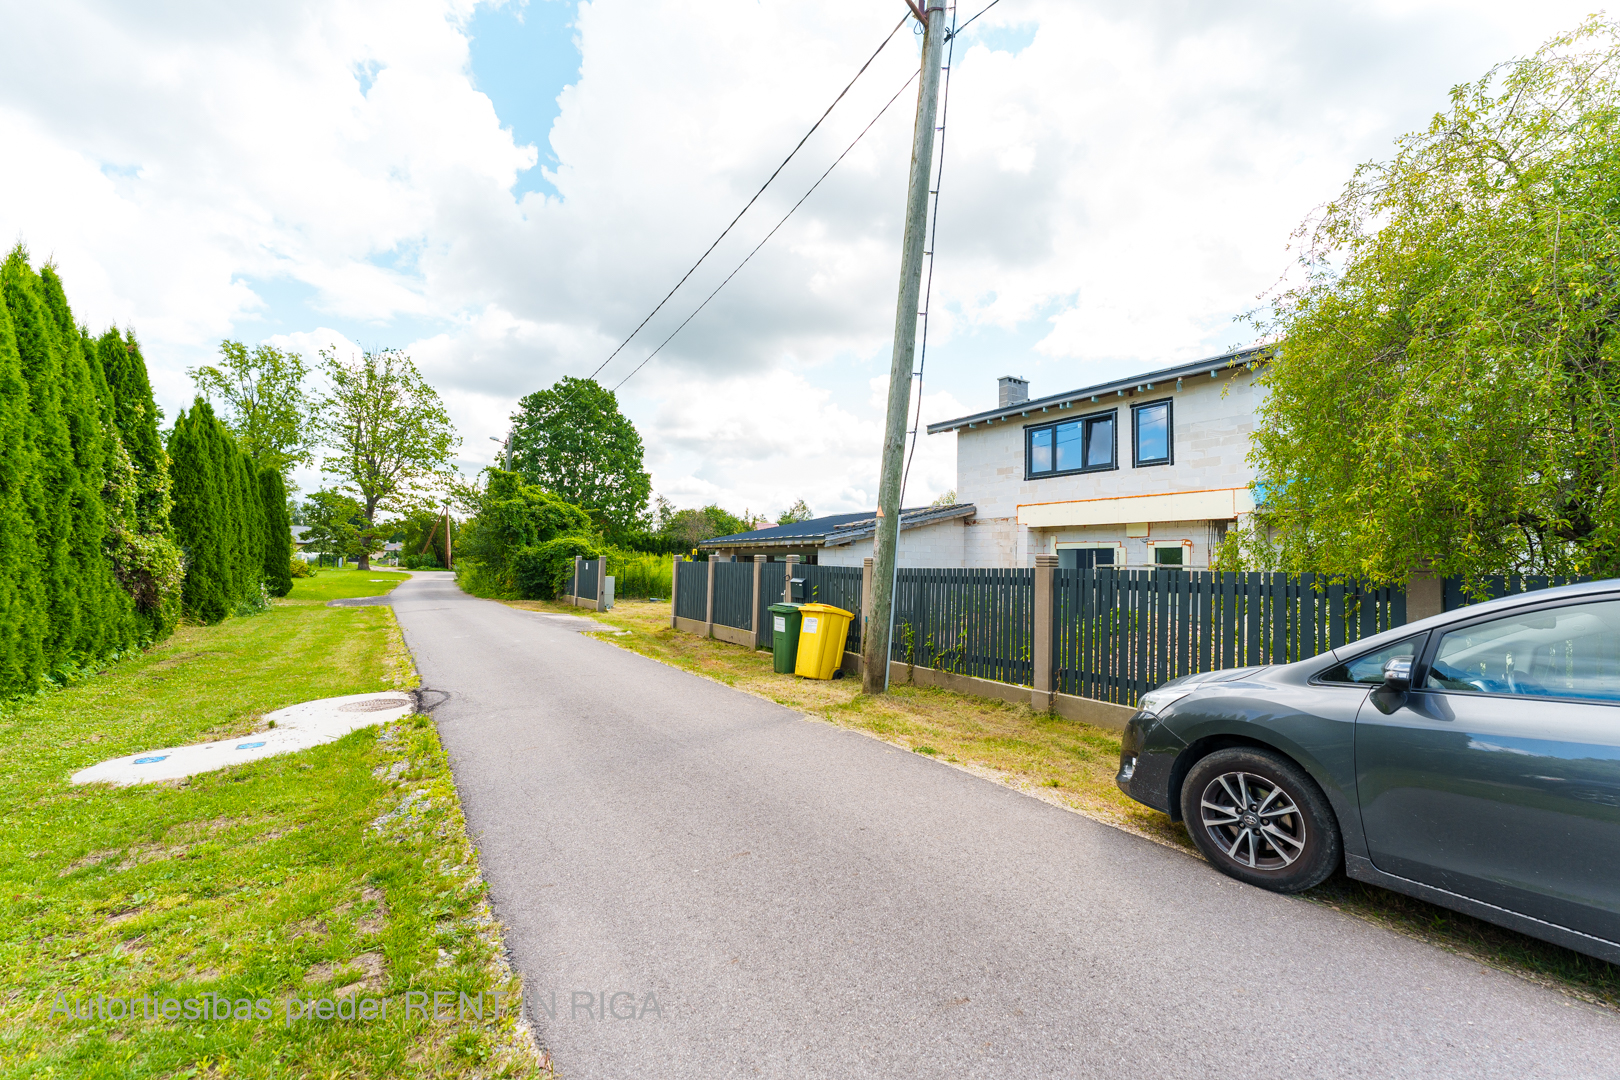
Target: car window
{"type": "Point", "coordinates": [1368, 669]}
{"type": "Point", "coordinates": [1571, 651]}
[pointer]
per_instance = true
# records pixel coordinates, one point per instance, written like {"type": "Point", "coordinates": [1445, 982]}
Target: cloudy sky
{"type": "Point", "coordinates": [505, 190]}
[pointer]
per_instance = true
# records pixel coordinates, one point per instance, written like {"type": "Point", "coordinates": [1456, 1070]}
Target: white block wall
{"type": "Point", "coordinates": [1212, 423]}
{"type": "Point", "coordinates": [937, 545]}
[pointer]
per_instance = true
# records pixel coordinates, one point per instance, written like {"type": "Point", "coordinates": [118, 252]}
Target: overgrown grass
{"type": "Point", "coordinates": [1072, 764]}
{"type": "Point", "coordinates": [341, 872]}
{"type": "Point", "coordinates": [638, 575]}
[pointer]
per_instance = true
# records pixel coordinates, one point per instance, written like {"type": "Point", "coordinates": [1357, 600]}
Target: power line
{"type": "Point", "coordinates": [958, 29]}
{"type": "Point", "coordinates": [772, 233]}
{"type": "Point", "coordinates": [757, 194]}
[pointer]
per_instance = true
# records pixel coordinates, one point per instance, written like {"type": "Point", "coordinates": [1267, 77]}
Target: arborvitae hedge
{"type": "Point", "coordinates": [277, 533]}
{"type": "Point", "coordinates": [72, 537]}
{"type": "Point", "coordinates": [219, 516]}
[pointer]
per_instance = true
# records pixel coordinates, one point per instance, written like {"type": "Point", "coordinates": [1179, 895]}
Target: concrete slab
{"type": "Point", "coordinates": [297, 727]}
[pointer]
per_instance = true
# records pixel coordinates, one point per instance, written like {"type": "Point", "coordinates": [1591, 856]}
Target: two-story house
{"type": "Point", "coordinates": [1146, 471]}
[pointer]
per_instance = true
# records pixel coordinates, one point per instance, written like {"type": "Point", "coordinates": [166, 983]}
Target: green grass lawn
{"type": "Point", "coordinates": [332, 584]}
{"type": "Point", "coordinates": [342, 872]}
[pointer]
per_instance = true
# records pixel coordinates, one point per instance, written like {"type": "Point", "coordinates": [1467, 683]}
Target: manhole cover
{"type": "Point", "coordinates": [374, 705]}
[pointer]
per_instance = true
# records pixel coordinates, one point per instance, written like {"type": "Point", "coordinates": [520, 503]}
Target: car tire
{"type": "Point", "coordinates": [1284, 838]}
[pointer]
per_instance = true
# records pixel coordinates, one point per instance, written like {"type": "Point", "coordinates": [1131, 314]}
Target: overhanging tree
{"type": "Point", "coordinates": [387, 433]}
{"type": "Point", "coordinates": [1446, 387]}
{"type": "Point", "coordinates": [572, 440]}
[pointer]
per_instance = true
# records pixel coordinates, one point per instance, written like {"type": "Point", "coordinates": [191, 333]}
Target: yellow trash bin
{"type": "Point", "coordinates": [823, 629]}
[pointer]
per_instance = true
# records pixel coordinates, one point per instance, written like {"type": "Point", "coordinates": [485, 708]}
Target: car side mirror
{"type": "Point", "coordinates": [1391, 693]}
{"type": "Point", "coordinates": [1398, 672]}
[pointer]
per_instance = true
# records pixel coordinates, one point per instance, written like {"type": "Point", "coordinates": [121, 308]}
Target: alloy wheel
{"type": "Point", "coordinates": [1253, 820]}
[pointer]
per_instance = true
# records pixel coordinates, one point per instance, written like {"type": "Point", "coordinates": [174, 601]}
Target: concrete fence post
{"type": "Point", "coordinates": [708, 604]}
{"type": "Point", "coordinates": [1042, 694]}
{"type": "Point", "coordinates": [1425, 594]}
{"type": "Point", "coordinates": [674, 589]}
{"type": "Point", "coordinates": [760, 624]}
{"type": "Point", "coordinates": [601, 584]}
{"type": "Point", "coordinates": [573, 590]}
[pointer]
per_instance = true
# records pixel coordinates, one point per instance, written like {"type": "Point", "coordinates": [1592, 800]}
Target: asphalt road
{"type": "Point", "coordinates": [771, 896]}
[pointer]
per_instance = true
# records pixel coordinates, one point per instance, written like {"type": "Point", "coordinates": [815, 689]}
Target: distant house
{"type": "Point", "coordinates": [929, 536]}
{"type": "Point", "coordinates": [1148, 471]}
{"type": "Point", "coordinates": [300, 538]}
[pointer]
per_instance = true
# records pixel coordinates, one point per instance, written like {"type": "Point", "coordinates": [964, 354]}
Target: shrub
{"type": "Point", "coordinates": [542, 571]}
{"type": "Point", "coordinates": [298, 568]}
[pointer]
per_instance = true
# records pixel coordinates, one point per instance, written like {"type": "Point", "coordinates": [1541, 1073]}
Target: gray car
{"type": "Point", "coordinates": [1471, 759]}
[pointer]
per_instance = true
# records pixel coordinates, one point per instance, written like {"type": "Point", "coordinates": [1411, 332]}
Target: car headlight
{"type": "Point", "coordinates": [1156, 701]}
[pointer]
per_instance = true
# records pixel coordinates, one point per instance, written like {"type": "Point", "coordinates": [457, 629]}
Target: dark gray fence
{"type": "Point", "coordinates": [970, 622]}
{"type": "Point", "coordinates": [1120, 633]}
{"type": "Point", "coordinates": [1456, 596]}
{"type": "Point", "coordinates": [586, 586]}
{"type": "Point", "coordinates": [839, 586]}
{"type": "Point", "coordinates": [772, 588]}
{"type": "Point", "coordinates": [692, 590]}
{"type": "Point", "coordinates": [734, 594]}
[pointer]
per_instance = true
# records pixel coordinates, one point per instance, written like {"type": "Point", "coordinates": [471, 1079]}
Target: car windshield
{"type": "Point", "coordinates": [1569, 651]}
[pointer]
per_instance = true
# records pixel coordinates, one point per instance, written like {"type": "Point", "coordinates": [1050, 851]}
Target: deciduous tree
{"type": "Point", "coordinates": [262, 401]}
{"type": "Point", "coordinates": [572, 439]}
{"type": "Point", "coordinates": [1446, 385]}
{"type": "Point", "coordinates": [386, 431]}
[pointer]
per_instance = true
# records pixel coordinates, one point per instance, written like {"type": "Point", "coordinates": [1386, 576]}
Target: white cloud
{"type": "Point", "coordinates": [1125, 182]}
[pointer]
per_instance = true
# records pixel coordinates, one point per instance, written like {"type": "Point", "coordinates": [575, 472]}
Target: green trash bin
{"type": "Point", "coordinates": [785, 636]}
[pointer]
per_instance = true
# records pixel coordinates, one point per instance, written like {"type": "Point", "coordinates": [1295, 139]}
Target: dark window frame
{"type": "Point", "coordinates": [1052, 425]}
{"type": "Point", "coordinates": [1169, 434]}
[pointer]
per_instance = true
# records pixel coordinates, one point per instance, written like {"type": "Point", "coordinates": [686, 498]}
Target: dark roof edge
{"type": "Point", "coordinates": [839, 537]}
{"type": "Point", "coordinates": [914, 521]}
{"type": "Point", "coordinates": [1244, 357]}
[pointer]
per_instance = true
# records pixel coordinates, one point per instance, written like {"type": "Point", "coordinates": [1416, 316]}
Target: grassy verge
{"type": "Point", "coordinates": [340, 873]}
{"type": "Point", "coordinates": [1071, 764]}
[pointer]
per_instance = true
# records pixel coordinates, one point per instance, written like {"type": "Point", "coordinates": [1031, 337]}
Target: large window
{"type": "Point", "coordinates": [1150, 434]}
{"type": "Point", "coordinates": [1080, 445]}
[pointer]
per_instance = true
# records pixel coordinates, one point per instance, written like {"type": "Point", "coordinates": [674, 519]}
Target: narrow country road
{"type": "Point", "coordinates": [771, 896]}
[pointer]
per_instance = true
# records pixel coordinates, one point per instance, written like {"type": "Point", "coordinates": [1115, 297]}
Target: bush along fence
{"type": "Point", "coordinates": [1086, 644]}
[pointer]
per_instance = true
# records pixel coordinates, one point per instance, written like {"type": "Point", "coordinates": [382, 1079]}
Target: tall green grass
{"type": "Point", "coordinates": [637, 574]}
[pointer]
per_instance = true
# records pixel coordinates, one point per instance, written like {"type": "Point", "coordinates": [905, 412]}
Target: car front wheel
{"type": "Point", "coordinates": [1257, 817]}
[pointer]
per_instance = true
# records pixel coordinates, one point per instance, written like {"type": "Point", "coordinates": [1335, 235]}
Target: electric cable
{"type": "Point", "coordinates": [770, 234]}
{"type": "Point", "coordinates": [958, 29]}
{"type": "Point", "coordinates": [710, 250]}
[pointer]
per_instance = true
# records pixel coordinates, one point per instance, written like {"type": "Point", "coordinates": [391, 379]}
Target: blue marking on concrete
{"type": "Point", "coordinates": [150, 760]}
{"type": "Point", "coordinates": [249, 745]}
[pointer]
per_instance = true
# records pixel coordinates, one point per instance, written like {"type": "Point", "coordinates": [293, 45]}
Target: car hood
{"type": "Point", "coordinates": [1209, 678]}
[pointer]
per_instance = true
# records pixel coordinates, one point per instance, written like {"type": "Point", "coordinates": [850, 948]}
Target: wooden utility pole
{"type": "Point", "coordinates": [886, 540]}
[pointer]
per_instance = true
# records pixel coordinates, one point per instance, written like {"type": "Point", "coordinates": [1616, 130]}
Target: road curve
{"type": "Point", "coordinates": [755, 894]}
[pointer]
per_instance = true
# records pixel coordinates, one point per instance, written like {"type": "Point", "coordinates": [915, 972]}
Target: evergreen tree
{"type": "Point", "coordinates": [22, 603]}
{"type": "Point", "coordinates": [49, 497]}
{"type": "Point", "coordinates": [145, 558]}
{"type": "Point", "coordinates": [105, 613]}
{"type": "Point", "coordinates": [277, 532]}
{"type": "Point", "coordinates": [200, 516]}
{"type": "Point", "coordinates": [250, 558]}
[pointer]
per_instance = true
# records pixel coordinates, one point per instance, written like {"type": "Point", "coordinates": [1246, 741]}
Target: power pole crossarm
{"type": "Point", "coordinates": [875, 634]}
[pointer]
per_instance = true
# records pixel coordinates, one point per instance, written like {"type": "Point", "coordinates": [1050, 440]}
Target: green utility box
{"type": "Point", "coordinates": [785, 636]}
